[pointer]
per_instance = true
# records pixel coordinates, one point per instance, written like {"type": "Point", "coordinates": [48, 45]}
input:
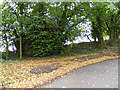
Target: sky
{"type": "Point", "coordinates": [1, 1]}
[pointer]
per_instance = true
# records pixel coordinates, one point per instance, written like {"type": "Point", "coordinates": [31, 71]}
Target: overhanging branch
{"type": "Point", "coordinates": [79, 21]}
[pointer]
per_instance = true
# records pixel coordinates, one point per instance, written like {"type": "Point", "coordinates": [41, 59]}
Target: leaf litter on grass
{"type": "Point", "coordinates": [19, 74]}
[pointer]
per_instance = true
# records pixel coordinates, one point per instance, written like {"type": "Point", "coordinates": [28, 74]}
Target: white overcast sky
{"type": "Point", "coordinates": [1, 1]}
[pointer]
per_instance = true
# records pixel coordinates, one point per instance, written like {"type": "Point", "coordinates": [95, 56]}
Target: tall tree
{"type": "Point", "coordinates": [112, 22]}
{"type": "Point", "coordinates": [96, 15]}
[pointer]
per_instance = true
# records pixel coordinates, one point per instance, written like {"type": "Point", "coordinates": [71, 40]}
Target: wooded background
{"type": "Point", "coordinates": [44, 27]}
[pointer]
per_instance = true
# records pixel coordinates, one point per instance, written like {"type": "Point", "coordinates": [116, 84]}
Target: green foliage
{"type": "Point", "coordinates": [45, 34]}
{"type": "Point", "coordinates": [104, 17]}
{"type": "Point", "coordinates": [3, 55]}
{"type": "Point", "coordinates": [12, 55]}
{"type": "Point", "coordinates": [45, 26]}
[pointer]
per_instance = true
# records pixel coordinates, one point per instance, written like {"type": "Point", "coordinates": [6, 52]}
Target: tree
{"type": "Point", "coordinates": [112, 22]}
{"type": "Point", "coordinates": [5, 28]}
{"type": "Point", "coordinates": [12, 18]}
{"type": "Point", "coordinates": [96, 15]}
{"type": "Point", "coordinates": [105, 21]}
{"type": "Point", "coordinates": [39, 25]}
{"type": "Point", "coordinates": [44, 27]}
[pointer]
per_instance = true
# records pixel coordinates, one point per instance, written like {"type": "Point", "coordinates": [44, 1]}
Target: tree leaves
{"type": "Point", "coordinates": [44, 33]}
{"type": "Point", "coordinates": [46, 26]}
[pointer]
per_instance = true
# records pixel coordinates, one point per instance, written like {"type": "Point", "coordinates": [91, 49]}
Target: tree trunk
{"type": "Point", "coordinates": [111, 39]}
{"type": "Point", "coordinates": [100, 36]}
{"type": "Point", "coordinates": [111, 31]}
{"type": "Point", "coordinates": [100, 40]}
{"type": "Point", "coordinates": [7, 52]}
{"type": "Point", "coordinates": [88, 38]}
{"type": "Point", "coordinates": [20, 46]}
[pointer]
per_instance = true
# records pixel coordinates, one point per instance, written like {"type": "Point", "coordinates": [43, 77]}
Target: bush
{"type": "Point", "coordinates": [43, 38]}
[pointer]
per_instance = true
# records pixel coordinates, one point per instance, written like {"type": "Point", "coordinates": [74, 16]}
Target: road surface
{"type": "Point", "coordinates": [99, 75]}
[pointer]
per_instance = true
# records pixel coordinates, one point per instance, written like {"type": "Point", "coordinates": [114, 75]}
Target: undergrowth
{"type": "Point", "coordinates": [77, 49]}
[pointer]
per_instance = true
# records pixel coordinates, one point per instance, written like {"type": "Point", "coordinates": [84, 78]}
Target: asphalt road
{"type": "Point", "coordinates": [99, 75]}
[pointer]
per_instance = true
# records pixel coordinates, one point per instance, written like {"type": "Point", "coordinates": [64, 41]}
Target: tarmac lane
{"type": "Point", "coordinates": [100, 75]}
